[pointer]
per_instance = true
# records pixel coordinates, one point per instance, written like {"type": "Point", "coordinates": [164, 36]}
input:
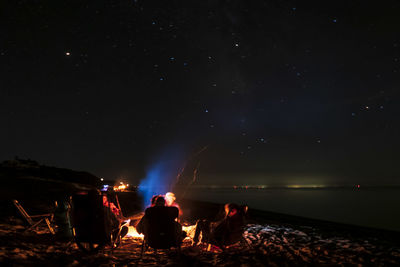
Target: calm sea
{"type": "Point", "coordinates": [374, 206]}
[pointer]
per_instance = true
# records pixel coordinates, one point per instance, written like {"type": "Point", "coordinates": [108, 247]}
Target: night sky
{"type": "Point", "coordinates": [282, 92]}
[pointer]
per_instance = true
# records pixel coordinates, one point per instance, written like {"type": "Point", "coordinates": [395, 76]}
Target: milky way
{"type": "Point", "coordinates": [274, 88]}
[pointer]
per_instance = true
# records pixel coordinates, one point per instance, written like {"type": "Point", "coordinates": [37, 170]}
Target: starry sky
{"type": "Point", "coordinates": [280, 92]}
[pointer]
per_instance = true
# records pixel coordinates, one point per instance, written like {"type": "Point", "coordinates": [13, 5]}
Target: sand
{"type": "Point", "coordinates": [265, 244]}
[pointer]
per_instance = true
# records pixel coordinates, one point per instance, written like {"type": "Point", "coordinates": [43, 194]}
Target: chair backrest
{"type": "Point", "coordinates": [89, 219]}
{"type": "Point", "coordinates": [22, 211]}
{"type": "Point", "coordinates": [160, 222]}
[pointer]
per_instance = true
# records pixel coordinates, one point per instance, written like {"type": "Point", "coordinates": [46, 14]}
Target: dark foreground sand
{"type": "Point", "coordinates": [291, 242]}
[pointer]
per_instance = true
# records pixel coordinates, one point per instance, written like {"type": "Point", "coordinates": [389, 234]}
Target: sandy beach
{"type": "Point", "coordinates": [272, 124]}
{"type": "Point", "coordinates": [271, 241]}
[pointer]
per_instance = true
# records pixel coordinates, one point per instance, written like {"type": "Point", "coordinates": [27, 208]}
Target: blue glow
{"type": "Point", "coordinates": [161, 176]}
{"type": "Point", "coordinates": [155, 183]}
{"type": "Point", "coordinates": [105, 187]}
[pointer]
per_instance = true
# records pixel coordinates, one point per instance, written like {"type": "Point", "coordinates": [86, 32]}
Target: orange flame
{"type": "Point", "coordinates": [133, 233]}
{"type": "Point", "coordinates": [190, 230]}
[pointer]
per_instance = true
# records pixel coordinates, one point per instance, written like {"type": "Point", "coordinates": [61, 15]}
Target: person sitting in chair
{"type": "Point", "coordinates": [170, 201]}
{"type": "Point", "coordinates": [159, 221]}
{"type": "Point", "coordinates": [116, 219]}
{"type": "Point", "coordinates": [225, 232]}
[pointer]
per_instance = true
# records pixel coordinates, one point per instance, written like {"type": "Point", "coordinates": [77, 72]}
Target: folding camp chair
{"type": "Point", "coordinates": [228, 232]}
{"type": "Point", "coordinates": [92, 223]}
{"type": "Point", "coordinates": [160, 233]}
{"type": "Point", "coordinates": [35, 220]}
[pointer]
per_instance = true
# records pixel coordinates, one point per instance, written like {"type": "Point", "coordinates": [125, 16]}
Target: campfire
{"type": "Point", "coordinates": [190, 230]}
{"type": "Point", "coordinates": [170, 201]}
{"type": "Point", "coordinates": [133, 233]}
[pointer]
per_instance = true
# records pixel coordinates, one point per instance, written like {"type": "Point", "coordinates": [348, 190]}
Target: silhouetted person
{"type": "Point", "coordinates": [162, 217]}
{"type": "Point", "coordinates": [225, 232]}
{"type": "Point", "coordinates": [153, 200]}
